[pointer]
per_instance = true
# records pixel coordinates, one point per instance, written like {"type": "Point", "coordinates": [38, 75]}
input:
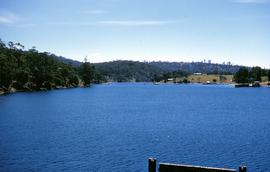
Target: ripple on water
{"type": "Point", "coordinates": [118, 127]}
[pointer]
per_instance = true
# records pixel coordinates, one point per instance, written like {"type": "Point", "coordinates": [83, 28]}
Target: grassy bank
{"type": "Point", "coordinates": [204, 78]}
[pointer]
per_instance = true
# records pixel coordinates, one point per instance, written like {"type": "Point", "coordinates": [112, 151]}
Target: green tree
{"type": "Point", "coordinates": [98, 78]}
{"type": "Point", "coordinates": [86, 73]}
{"type": "Point", "coordinates": [22, 75]}
{"type": "Point", "coordinates": [255, 74]}
{"type": "Point", "coordinates": [7, 66]}
{"type": "Point", "coordinates": [241, 76]}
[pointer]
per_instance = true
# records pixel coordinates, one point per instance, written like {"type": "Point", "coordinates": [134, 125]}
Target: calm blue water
{"type": "Point", "coordinates": [118, 127]}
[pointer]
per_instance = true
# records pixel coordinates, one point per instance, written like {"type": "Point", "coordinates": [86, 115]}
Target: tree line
{"type": "Point", "coordinates": [32, 70]}
{"type": "Point", "coordinates": [125, 71]}
{"type": "Point", "coordinates": [171, 75]}
{"type": "Point", "coordinates": [245, 75]}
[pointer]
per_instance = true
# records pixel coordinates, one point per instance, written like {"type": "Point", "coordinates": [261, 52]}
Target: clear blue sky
{"type": "Point", "coordinates": [166, 30]}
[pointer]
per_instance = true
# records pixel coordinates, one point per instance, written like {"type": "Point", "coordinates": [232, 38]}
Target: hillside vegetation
{"type": "Point", "coordinates": [27, 70]}
{"type": "Point", "coordinates": [254, 74]}
{"type": "Point", "coordinates": [124, 71]}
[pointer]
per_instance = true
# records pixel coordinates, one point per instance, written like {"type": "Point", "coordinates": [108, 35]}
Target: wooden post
{"type": "Point", "coordinates": [243, 169]}
{"type": "Point", "coordinates": [152, 165]}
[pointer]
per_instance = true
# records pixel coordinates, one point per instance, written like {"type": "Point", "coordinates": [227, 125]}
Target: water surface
{"type": "Point", "coordinates": [117, 127]}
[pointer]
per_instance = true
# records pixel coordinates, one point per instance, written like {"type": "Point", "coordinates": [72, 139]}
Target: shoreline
{"type": "Point", "coordinates": [13, 90]}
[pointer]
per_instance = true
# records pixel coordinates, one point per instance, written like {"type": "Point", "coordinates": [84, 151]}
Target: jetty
{"type": "Point", "coordinates": [255, 84]}
{"type": "Point", "coordinates": [167, 167]}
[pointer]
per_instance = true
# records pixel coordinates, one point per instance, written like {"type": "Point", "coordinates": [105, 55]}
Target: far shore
{"type": "Point", "coordinates": [13, 90]}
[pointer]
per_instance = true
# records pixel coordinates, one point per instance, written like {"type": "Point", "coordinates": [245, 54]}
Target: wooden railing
{"type": "Point", "coordinates": [166, 167]}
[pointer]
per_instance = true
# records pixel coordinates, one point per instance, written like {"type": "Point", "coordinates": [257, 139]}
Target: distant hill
{"type": "Point", "coordinates": [146, 71]}
{"type": "Point", "coordinates": [71, 62]}
{"type": "Point", "coordinates": [124, 71]}
{"type": "Point", "coordinates": [196, 67]}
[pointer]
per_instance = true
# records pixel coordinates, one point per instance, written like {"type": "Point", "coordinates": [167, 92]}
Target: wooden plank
{"type": "Point", "coordinates": [152, 165]}
{"type": "Point", "coordinates": [166, 167]}
{"type": "Point", "coordinates": [243, 169]}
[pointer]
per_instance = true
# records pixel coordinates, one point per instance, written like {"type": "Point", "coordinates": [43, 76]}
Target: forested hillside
{"type": "Point", "coordinates": [196, 67]}
{"type": "Point", "coordinates": [27, 70]}
{"type": "Point", "coordinates": [124, 71]}
{"type": "Point", "coordinates": [147, 71]}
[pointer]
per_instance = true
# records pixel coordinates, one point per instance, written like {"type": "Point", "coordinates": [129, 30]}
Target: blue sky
{"type": "Point", "coordinates": [166, 30]}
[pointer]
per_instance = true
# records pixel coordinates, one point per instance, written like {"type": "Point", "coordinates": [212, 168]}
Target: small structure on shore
{"type": "Point", "coordinates": [207, 83]}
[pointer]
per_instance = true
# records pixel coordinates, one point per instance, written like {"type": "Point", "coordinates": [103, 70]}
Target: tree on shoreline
{"type": "Point", "coordinates": [86, 72]}
{"type": "Point", "coordinates": [32, 70]}
{"type": "Point", "coordinates": [241, 76]}
{"type": "Point", "coordinates": [255, 74]}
